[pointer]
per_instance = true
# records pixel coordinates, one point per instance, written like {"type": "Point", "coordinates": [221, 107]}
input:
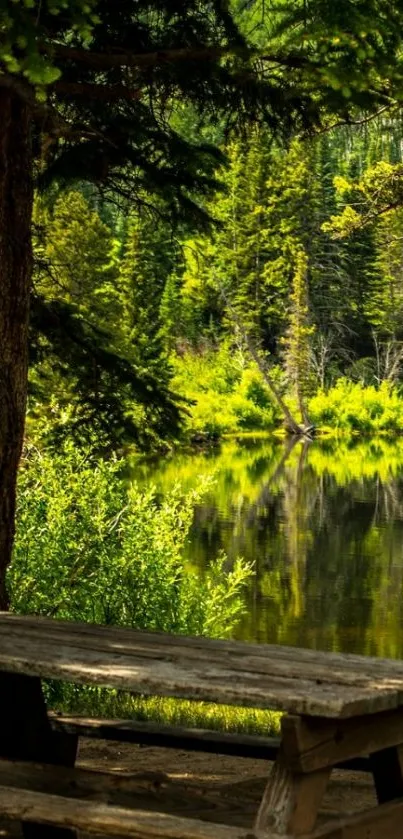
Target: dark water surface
{"type": "Point", "coordinates": [323, 524]}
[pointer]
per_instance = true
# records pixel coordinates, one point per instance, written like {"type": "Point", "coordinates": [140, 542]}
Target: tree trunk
{"type": "Point", "coordinates": [16, 193]}
{"type": "Point", "coordinates": [291, 424]}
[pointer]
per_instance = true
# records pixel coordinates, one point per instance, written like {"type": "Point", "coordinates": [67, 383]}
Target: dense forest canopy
{"type": "Point", "coordinates": [196, 169]}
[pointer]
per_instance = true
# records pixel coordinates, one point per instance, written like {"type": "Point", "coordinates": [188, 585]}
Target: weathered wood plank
{"type": "Point", "coordinates": [252, 669]}
{"type": "Point", "coordinates": [311, 743]}
{"type": "Point", "coordinates": [291, 801]}
{"type": "Point", "coordinates": [120, 638]}
{"type": "Point", "coordinates": [346, 668]}
{"type": "Point", "coordinates": [149, 648]}
{"type": "Point", "coordinates": [177, 679]}
{"type": "Point", "coordinates": [76, 782]}
{"type": "Point", "coordinates": [135, 661]}
{"type": "Point", "coordinates": [96, 817]}
{"type": "Point", "coordinates": [123, 635]}
{"type": "Point", "coordinates": [384, 821]}
{"type": "Point", "coordinates": [178, 737]}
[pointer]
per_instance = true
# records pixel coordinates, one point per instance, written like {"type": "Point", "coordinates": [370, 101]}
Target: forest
{"type": "Point", "coordinates": [291, 303]}
{"type": "Point", "coordinates": [201, 251]}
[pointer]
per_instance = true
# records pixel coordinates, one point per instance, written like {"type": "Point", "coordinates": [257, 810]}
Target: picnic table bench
{"type": "Point", "coordinates": [337, 708]}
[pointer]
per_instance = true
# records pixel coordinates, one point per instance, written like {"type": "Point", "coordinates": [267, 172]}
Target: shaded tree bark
{"type": "Point", "coordinates": [16, 195]}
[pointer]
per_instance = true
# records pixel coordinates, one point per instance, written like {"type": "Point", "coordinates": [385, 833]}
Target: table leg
{"type": "Point", "coordinates": [26, 735]}
{"type": "Point", "coordinates": [291, 800]}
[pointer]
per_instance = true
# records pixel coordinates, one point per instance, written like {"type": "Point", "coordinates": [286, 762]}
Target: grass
{"type": "Point", "coordinates": [111, 704]}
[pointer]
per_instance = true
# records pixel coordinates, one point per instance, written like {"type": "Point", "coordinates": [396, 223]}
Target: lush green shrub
{"type": "Point", "coordinates": [352, 407]}
{"type": "Point", "coordinates": [89, 547]}
{"type": "Point", "coordinates": [227, 395]}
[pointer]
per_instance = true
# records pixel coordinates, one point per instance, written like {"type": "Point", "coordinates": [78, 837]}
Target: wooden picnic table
{"type": "Point", "coordinates": [336, 707]}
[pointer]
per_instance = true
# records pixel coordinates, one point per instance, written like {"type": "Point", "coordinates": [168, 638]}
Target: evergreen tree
{"type": "Point", "coordinates": [99, 369]}
{"type": "Point", "coordinates": [148, 262]}
{"type": "Point", "coordinates": [289, 225]}
{"type": "Point", "coordinates": [242, 257]}
{"type": "Point", "coordinates": [79, 265]}
{"type": "Point", "coordinates": [385, 307]}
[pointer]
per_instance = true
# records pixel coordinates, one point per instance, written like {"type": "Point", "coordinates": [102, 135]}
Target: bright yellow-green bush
{"type": "Point", "coordinates": [227, 395]}
{"type": "Point", "coordinates": [353, 408]}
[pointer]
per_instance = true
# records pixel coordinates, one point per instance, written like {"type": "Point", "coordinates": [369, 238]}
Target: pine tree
{"type": "Point", "coordinates": [148, 262]}
{"type": "Point", "coordinates": [289, 226]}
{"type": "Point", "coordinates": [78, 260]}
{"type": "Point", "coordinates": [99, 368]}
{"type": "Point", "coordinates": [232, 259]}
{"type": "Point", "coordinates": [385, 306]}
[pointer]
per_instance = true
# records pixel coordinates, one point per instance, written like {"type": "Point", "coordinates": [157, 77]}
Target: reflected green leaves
{"type": "Point", "coordinates": [323, 524]}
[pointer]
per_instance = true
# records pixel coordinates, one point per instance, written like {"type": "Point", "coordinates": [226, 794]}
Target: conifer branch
{"type": "Point", "coordinates": [107, 93]}
{"type": "Point", "coordinates": [106, 61]}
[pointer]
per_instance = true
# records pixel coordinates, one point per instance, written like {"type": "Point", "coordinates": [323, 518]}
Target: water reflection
{"type": "Point", "coordinates": [323, 524]}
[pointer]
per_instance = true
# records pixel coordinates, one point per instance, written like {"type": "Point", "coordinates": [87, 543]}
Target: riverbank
{"type": "Point", "coordinates": [225, 398]}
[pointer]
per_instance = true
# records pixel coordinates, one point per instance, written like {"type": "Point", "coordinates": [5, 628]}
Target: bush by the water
{"type": "Point", "coordinates": [90, 547]}
{"type": "Point", "coordinates": [351, 407]}
{"type": "Point", "coordinates": [227, 395]}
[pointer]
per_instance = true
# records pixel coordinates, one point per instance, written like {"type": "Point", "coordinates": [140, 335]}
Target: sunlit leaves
{"type": "Point", "coordinates": [23, 31]}
{"type": "Point", "coordinates": [379, 191]}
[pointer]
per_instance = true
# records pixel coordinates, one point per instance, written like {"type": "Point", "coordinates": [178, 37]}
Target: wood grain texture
{"type": "Point", "coordinates": [226, 672]}
{"type": "Point", "coordinates": [77, 782]}
{"type": "Point", "coordinates": [291, 801]}
{"type": "Point", "coordinates": [385, 822]}
{"type": "Point", "coordinates": [310, 743]}
{"type": "Point", "coordinates": [99, 818]}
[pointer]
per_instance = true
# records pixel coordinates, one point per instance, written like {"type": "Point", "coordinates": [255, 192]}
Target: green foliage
{"type": "Point", "coordinates": [226, 395]}
{"type": "Point", "coordinates": [75, 258]}
{"type": "Point", "coordinates": [90, 548]}
{"type": "Point", "coordinates": [353, 408]}
{"type": "Point", "coordinates": [99, 370]}
{"type": "Point", "coordinates": [379, 190]}
{"type": "Point", "coordinates": [111, 704]}
{"type": "Point", "coordinates": [19, 44]}
{"type": "Point", "coordinates": [148, 261]}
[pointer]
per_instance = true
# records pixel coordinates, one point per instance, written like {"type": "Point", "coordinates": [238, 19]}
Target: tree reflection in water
{"type": "Point", "coordinates": [323, 523]}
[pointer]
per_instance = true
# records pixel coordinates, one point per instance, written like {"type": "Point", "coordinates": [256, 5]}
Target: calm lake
{"type": "Point", "coordinates": [323, 525]}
